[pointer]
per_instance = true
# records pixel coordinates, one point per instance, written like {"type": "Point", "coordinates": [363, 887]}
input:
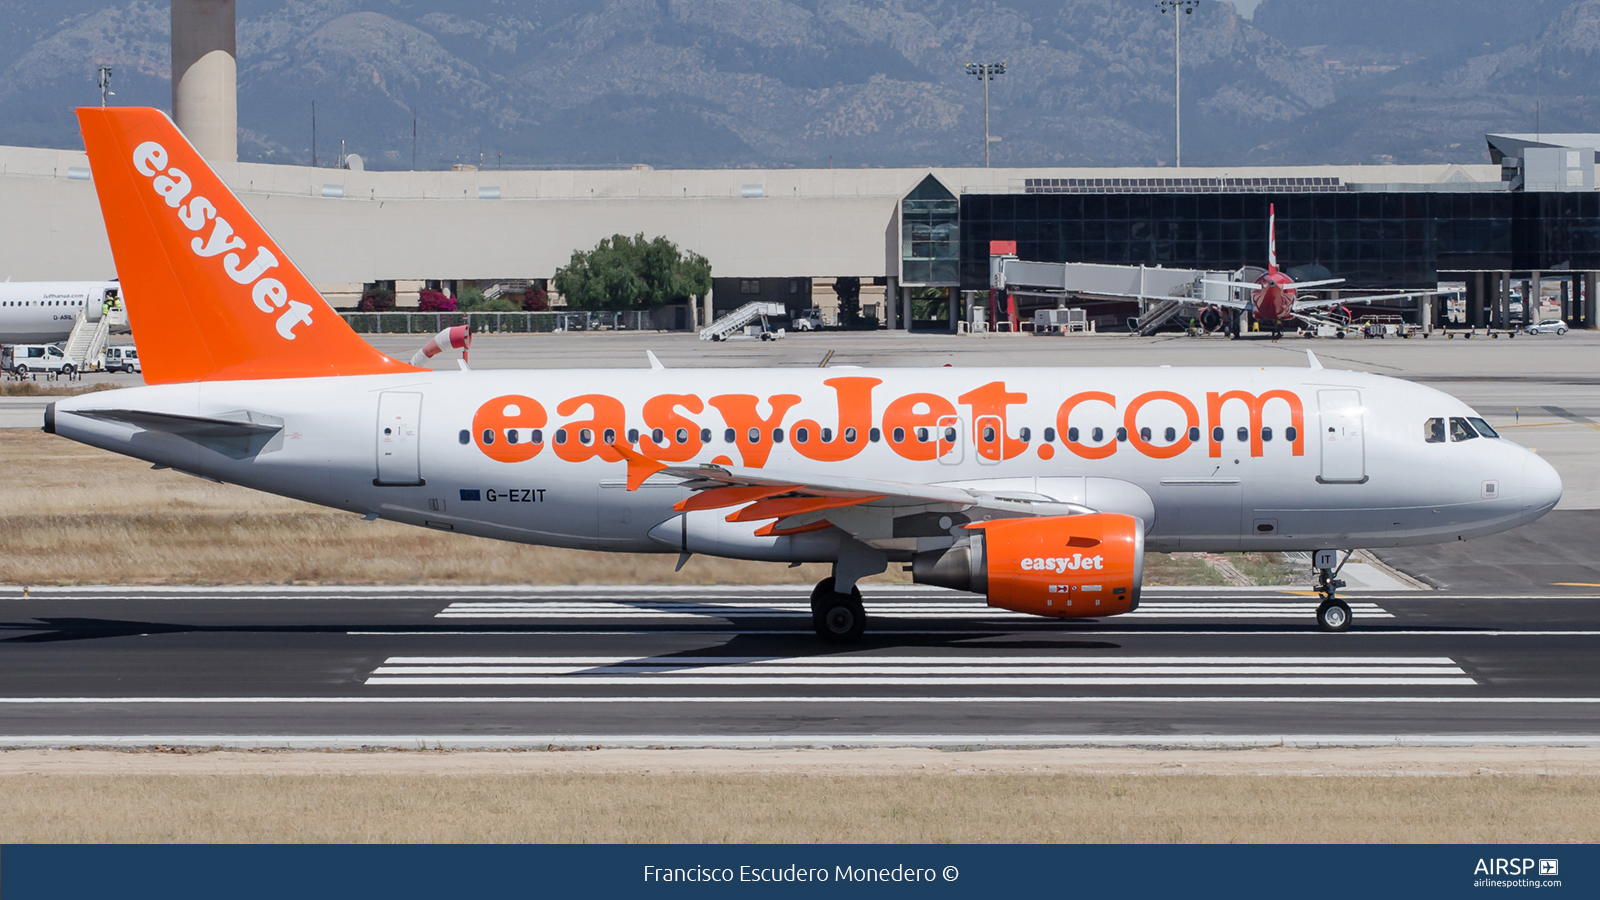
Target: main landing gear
{"type": "Point", "coordinates": [1333, 614]}
{"type": "Point", "coordinates": [837, 618]}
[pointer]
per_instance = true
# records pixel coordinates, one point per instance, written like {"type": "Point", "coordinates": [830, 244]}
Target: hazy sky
{"type": "Point", "coordinates": [1247, 8]}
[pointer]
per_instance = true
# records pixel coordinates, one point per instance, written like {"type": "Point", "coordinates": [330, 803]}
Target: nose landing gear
{"type": "Point", "coordinates": [1333, 614]}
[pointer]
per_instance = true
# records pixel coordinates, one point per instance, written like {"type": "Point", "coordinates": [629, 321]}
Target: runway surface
{"type": "Point", "coordinates": [740, 666]}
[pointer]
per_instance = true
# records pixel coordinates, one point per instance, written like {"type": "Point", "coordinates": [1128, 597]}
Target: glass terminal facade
{"type": "Point", "coordinates": [1388, 240]}
{"type": "Point", "coordinates": [930, 235]}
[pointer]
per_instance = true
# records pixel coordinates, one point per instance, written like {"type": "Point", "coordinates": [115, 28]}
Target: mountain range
{"type": "Point", "coordinates": [777, 83]}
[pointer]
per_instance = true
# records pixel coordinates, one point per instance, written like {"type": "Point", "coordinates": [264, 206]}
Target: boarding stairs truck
{"type": "Point", "coordinates": [735, 322]}
{"type": "Point", "coordinates": [87, 343]}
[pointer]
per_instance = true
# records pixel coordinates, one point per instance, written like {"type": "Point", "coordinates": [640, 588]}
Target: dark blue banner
{"type": "Point", "coordinates": [1122, 871]}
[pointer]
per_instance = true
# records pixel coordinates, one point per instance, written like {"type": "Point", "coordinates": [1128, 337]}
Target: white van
{"type": "Point", "coordinates": [122, 359]}
{"type": "Point", "coordinates": [33, 359]}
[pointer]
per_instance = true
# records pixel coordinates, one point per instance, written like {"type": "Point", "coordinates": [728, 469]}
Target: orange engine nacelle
{"type": "Point", "coordinates": [1061, 566]}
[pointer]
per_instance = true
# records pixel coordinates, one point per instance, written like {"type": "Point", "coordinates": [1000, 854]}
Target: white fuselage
{"type": "Point", "coordinates": [1364, 476]}
{"type": "Point", "coordinates": [42, 312]}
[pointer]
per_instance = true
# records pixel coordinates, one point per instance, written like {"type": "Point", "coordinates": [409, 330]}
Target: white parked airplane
{"type": "Point", "coordinates": [1040, 488]}
{"type": "Point", "coordinates": [42, 312]}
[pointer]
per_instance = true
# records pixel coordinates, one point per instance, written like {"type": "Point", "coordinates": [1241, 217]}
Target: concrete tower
{"type": "Point", "coordinates": [205, 87]}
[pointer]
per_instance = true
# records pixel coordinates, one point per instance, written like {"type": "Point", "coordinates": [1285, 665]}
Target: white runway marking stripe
{"type": "Point", "coordinates": [942, 609]}
{"type": "Point", "coordinates": [865, 670]}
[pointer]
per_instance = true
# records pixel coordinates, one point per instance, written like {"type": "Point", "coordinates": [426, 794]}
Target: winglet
{"type": "Point", "coordinates": [654, 363]}
{"type": "Point", "coordinates": [640, 466]}
{"type": "Point", "coordinates": [1312, 359]}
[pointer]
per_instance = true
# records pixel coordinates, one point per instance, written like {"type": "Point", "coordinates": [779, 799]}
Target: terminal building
{"type": "Point", "coordinates": [918, 239]}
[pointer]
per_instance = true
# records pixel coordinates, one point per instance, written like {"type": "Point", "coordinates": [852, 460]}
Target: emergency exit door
{"type": "Point", "coordinates": [1344, 453]}
{"type": "Point", "coordinates": [399, 415]}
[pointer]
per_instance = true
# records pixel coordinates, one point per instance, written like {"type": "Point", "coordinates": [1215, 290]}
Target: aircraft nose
{"type": "Point", "coordinates": [1541, 487]}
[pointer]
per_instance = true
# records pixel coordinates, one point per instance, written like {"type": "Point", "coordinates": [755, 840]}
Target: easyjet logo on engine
{"type": "Point", "coordinates": [173, 185]}
{"type": "Point", "coordinates": [917, 426]}
{"type": "Point", "coordinates": [1062, 564]}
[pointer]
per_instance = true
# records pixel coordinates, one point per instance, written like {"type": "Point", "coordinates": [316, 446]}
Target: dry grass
{"type": "Point", "coordinates": [32, 388]}
{"type": "Point", "coordinates": [1012, 808]}
{"type": "Point", "coordinates": [86, 516]}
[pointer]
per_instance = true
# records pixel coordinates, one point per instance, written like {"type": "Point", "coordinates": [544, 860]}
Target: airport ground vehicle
{"type": "Point", "coordinates": [1040, 489]}
{"type": "Point", "coordinates": [124, 358]}
{"type": "Point", "coordinates": [810, 320]}
{"type": "Point", "coordinates": [1549, 326]}
{"type": "Point", "coordinates": [40, 359]}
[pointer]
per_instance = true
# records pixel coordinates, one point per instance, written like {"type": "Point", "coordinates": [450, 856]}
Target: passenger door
{"type": "Point", "coordinates": [1343, 437]}
{"type": "Point", "coordinates": [399, 417]}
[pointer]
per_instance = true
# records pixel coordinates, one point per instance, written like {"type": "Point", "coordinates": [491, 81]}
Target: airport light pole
{"type": "Point", "coordinates": [988, 72]}
{"type": "Point", "coordinates": [105, 85]}
{"type": "Point", "coordinates": [1179, 9]}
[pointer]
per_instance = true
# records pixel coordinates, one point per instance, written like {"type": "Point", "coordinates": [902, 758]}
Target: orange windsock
{"type": "Point", "coordinates": [209, 294]}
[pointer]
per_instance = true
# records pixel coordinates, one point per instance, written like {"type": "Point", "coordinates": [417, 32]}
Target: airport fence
{"type": "Point", "coordinates": [498, 322]}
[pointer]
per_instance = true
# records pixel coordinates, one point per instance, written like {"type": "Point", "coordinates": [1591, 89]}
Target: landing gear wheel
{"type": "Point", "coordinates": [1333, 615]}
{"type": "Point", "coordinates": [837, 618]}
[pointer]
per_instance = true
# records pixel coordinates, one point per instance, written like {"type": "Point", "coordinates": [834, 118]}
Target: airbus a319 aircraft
{"type": "Point", "coordinates": [1039, 488]}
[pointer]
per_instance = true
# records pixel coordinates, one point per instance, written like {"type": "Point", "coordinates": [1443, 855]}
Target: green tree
{"type": "Point", "coordinates": [632, 273]}
{"type": "Point", "coordinates": [848, 290]}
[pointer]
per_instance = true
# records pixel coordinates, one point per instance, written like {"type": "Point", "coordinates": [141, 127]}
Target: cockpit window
{"type": "Point", "coordinates": [1483, 428]}
{"type": "Point", "coordinates": [1460, 430]}
{"type": "Point", "coordinates": [1433, 431]}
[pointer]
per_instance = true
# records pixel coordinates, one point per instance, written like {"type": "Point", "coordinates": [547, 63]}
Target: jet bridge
{"type": "Point", "coordinates": [1161, 293]}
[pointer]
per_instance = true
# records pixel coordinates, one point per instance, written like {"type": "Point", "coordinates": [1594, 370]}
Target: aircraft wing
{"type": "Point", "coordinates": [796, 502]}
{"type": "Point", "coordinates": [1302, 285]}
{"type": "Point", "coordinates": [1324, 302]}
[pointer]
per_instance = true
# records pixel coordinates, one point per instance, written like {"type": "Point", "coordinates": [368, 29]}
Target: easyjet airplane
{"type": "Point", "coordinates": [1040, 488]}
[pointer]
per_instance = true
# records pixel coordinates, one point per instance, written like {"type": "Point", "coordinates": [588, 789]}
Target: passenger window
{"type": "Point", "coordinates": [849, 435]}
{"type": "Point", "coordinates": [682, 435]}
{"type": "Point", "coordinates": [511, 435]}
{"type": "Point", "coordinates": [988, 434]}
{"type": "Point", "coordinates": [1483, 428]}
{"type": "Point", "coordinates": [1025, 435]}
{"type": "Point", "coordinates": [1266, 434]}
{"type": "Point", "coordinates": [1217, 434]}
{"type": "Point", "coordinates": [949, 435]}
{"type": "Point", "coordinates": [801, 435]}
{"type": "Point", "coordinates": [537, 437]}
{"type": "Point", "coordinates": [1172, 435]}
{"type": "Point", "coordinates": [465, 436]}
{"type": "Point", "coordinates": [611, 436]}
{"type": "Point", "coordinates": [1050, 435]}
{"type": "Point", "coordinates": [1194, 434]}
{"type": "Point", "coordinates": [658, 437]}
{"type": "Point", "coordinates": [874, 435]}
{"type": "Point", "coordinates": [755, 435]}
{"type": "Point", "coordinates": [1122, 434]}
{"type": "Point", "coordinates": [1289, 434]}
{"type": "Point", "coordinates": [899, 435]}
{"type": "Point", "coordinates": [827, 435]}
{"type": "Point", "coordinates": [728, 436]}
{"type": "Point", "coordinates": [1144, 435]}
{"type": "Point", "coordinates": [585, 436]}
{"type": "Point", "coordinates": [488, 435]}
{"type": "Point", "coordinates": [1433, 431]}
{"type": "Point", "coordinates": [633, 435]}
{"type": "Point", "coordinates": [705, 435]}
{"type": "Point", "coordinates": [1460, 430]}
{"type": "Point", "coordinates": [1244, 435]}
{"type": "Point", "coordinates": [1097, 434]}
{"type": "Point", "coordinates": [1072, 435]}
{"type": "Point", "coordinates": [922, 435]}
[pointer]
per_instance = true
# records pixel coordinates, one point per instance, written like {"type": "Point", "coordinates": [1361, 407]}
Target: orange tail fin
{"type": "Point", "coordinates": [210, 296]}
